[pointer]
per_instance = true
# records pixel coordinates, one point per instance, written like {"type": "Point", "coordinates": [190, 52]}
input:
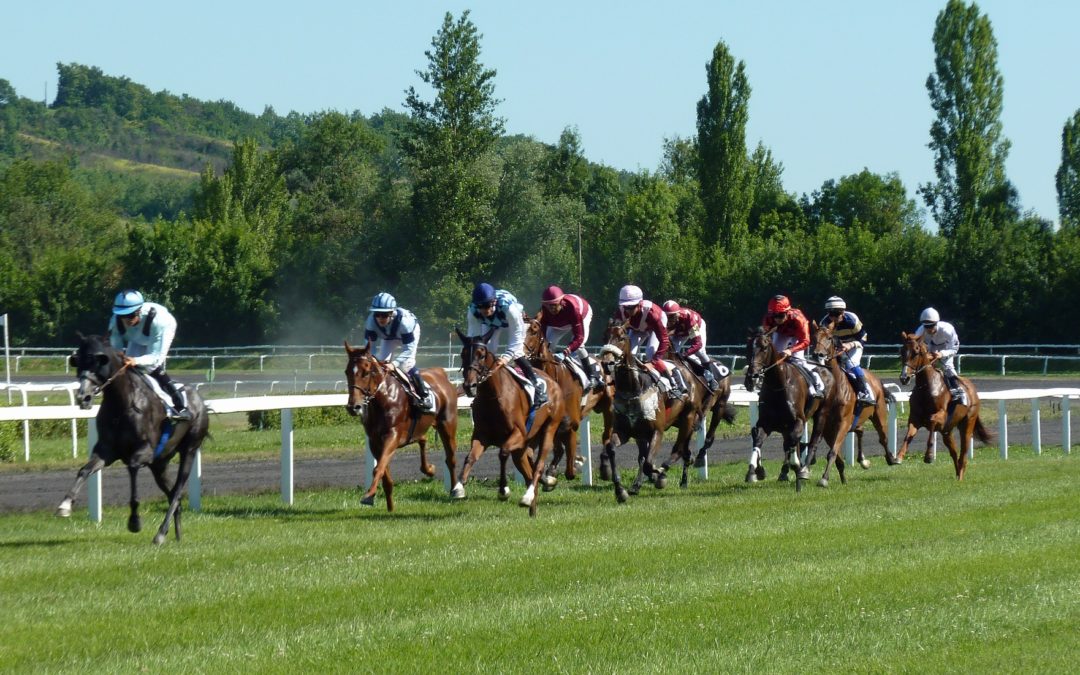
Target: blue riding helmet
{"type": "Point", "coordinates": [483, 293]}
{"type": "Point", "coordinates": [383, 302]}
{"type": "Point", "coordinates": [127, 302]}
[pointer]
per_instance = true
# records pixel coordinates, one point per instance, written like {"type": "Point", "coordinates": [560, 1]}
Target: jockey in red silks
{"type": "Point", "coordinates": [791, 338]}
{"type": "Point", "coordinates": [566, 315]}
{"type": "Point", "coordinates": [688, 335]}
{"type": "Point", "coordinates": [648, 327]}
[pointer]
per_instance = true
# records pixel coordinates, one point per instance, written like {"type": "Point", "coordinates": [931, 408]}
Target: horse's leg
{"type": "Point", "coordinates": [95, 463]}
{"type": "Point", "coordinates": [382, 465]}
{"type": "Point", "coordinates": [134, 521]}
{"type": "Point", "coordinates": [388, 488]}
{"type": "Point", "coordinates": [476, 449]}
{"type": "Point", "coordinates": [447, 432]}
{"type": "Point", "coordinates": [932, 427]}
{"type": "Point", "coordinates": [425, 468]}
{"type": "Point", "coordinates": [909, 436]}
{"type": "Point", "coordinates": [187, 460]}
{"type": "Point", "coordinates": [880, 418]}
{"type": "Point", "coordinates": [860, 458]}
{"type": "Point", "coordinates": [549, 479]}
{"type": "Point", "coordinates": [967, 429]}
{"type": "Point", "coordinates": [547, 439]}
{"type": "Point", "coordinates": [504, 486]}
{"type": "Point", "coordinates": [947, 437]}
{"type": "Point", "coordinates": [570, 450]}
{"type": "Point", "coordinates": [642, 461]}
{"type": "Point", "coordinates": [681, 450]}
{"type": "Point", "coordinates": [756, 471]}
{"type": "Point", "coordinates": [608, 459]}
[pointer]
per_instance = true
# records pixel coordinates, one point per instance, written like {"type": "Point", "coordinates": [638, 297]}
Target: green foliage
{"type": "Point", "coordinates": [1067, 178]}
{"type": "Point", "coordinates": [879, 203]}
{"type": "Point", "coordinates": [10, 440]}
{"type": "Point", "coordinates": [303, 418]}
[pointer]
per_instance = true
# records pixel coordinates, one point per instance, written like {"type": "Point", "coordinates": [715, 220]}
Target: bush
{"type": "Point", "coordinates": [10, 437]}
{"type": "Point", "coordinates": [259, 420]}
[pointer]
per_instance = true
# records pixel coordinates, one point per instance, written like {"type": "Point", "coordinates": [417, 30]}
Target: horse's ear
{"type": "Point", "coordinates": [79, 336]}
{"type": "Point", "coordinates": [487, 335]}
{"type": "Point", "coordinates": [348, 349]}
{"type": "Point", "coordinates": [813, 324]}
{"type": "Point", "coordinates": [367, 347]}
{"type": "Point", "coordinates": [461, 336]}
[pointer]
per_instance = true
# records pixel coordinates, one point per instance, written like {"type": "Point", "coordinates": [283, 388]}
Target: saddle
{"type": "Point", "coordinates": [526, 384]}
{"type": "Point", "coordinates": [407, 385]}
{"type": "Point", "coordinates": [164, 396]}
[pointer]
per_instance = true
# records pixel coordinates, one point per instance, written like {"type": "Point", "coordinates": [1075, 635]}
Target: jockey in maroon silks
{"type": "Point", "coordinates": [648, 327]}
{"type": "Point", "coordinates": [792, 337]}
{"type": "Point", "coordinates": [566, 315]}
{"type": "Point", "coordinates": [688, 334]}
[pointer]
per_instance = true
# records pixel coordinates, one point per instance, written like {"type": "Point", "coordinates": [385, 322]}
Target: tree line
{"type": "Point", "coordinates": [295, 221]}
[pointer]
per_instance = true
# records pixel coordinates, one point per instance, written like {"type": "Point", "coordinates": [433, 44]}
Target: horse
{"type": "Point", "coordinates": [132, 427]}
{"type": "Point", "coordinates": [931, 406]}
{"type": "Point", "coordinates": [579, 403]}
{"type": "Point", "coordinates": [718, 405]}
{"type": "Point", "coordinates": [502, 417]}
{"type": "Point", "coordinates": [642, 414]}
{"type": "Point", "coordinates": [785, 406]}
{"type": "Point", "coordinates": [824, 349]}
{"type": "Point", "coordinates": [391, 421]}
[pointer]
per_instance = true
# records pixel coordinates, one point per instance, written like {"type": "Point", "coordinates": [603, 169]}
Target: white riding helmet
{"type": "Point", "coordinates": [835, 302]}
{"type": "Point", "coordinates": [127, 302]}
{"type": "Point", "coordinates": [383, 302]}
{"type": "Point", "coordinates": [629, 295]}
{"type": "Point", "coordinates": [929, 317]}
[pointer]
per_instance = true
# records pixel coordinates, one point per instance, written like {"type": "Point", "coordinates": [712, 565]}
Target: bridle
{"type": "Point", "coordinates": [88, 374]}
{"type": "Point", "coordinates": [370, 392]}
{"type": "Point", "coordinates": [907, 365]}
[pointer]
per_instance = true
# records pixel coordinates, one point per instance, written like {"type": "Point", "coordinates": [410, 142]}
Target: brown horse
{"type": "Point", "coordinates": [642, 413]}
{"type": "Point", "coordinates": [502, 417]}
{"type": "Point", "coordinates": [579, 403]}
{"type": "Point", "coordinates": [825, 345]}
{"type": "Point", "coordinates": [391, 420]}
{"type": "Point", "coordinates": [933, 408]}
{"type": "Point", "coordinates": [718, 405]}
{"type": "Point", "coordinates": [785, 406]}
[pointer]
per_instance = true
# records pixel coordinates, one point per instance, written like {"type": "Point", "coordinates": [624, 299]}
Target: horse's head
{"type": "Point", "coordinates": [823, 341]}
{"type": "Point", "coordinates": [477, 361]}
{"type": "Point", "coordinates": [96, 363]}
{"type": "Point", "coordinates": [364, 375]}
{"type": "Point", "coordinates": [616, 345]}
{"type": "Point", "coordinates": [760, 356]}
{"type": "Point", "coordinates": [536, 347]}
{"type": "Point", "coordinates": [913, 356]}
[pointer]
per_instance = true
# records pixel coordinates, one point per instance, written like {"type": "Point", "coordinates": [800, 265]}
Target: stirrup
{"type": "Point", "coordinates": [866, 397]}
{"type": "Point", "coordinates": [181, 415]}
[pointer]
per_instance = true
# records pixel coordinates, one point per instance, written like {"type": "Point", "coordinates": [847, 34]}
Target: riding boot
{"type": "Point", "coordinates": [425, 401]}
{"type": "Point", "coordinates": [818, 386]}
{"type": "Point", "coordinates": [955, 390]}
{"type": "Point", "coordinates": [590, 372]}
{"type": "Point", "coordinates": [538, 384]}
{"type": "Point", "coordinates": [180, 410]}
{"type": "Point", "coordinates": [710, 380]}
{"type": "Point", "coordinates": [680, 390]}
{"type": "Point", "coordinates": [862, 387]}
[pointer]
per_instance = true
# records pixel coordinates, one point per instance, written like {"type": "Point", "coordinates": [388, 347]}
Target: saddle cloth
{"type": "Point", "coordinates": [526, 384]}
{"type": "Point", "coordinates": [410, 390]}
{"type": "Point", "coordinates": [166, 399]}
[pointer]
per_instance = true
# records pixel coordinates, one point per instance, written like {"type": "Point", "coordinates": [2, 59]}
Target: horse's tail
{"type": "Point", "coordinates": [981, 432]}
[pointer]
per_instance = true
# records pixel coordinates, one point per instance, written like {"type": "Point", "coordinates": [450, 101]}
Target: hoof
{"type": "Point", "coordinates": [63, 512]}
{"type": "Point", "coordinates": [751, 475]}
{"type": "Point", "coordinates": [928, 459]}
{"type": "Point", "coordinates": [605, 471]}
{"type": "Point", "coordinates": [892, 460]}
{"type": "Point", "coordinates": [458, 492]}
{"type": "Point", "coordinates": [794, 460]}
{"type": "Point", "coordinates": [429, 470]}
{"type": "Point", "coordinates": [504, 494]}
{"type": "Point", "coordinates": [634, 489]}
{"type": "Point", "coordinates": [803, 474]}
{"type": "Point", "coordinates": [527, 499]}
{"type": "Point", "coordinates": [824, 482]}
{"type": "Point", "coordinates": [159, 539]}
{"type": "Point", "coordinates": [660, 480]}
{"type": "Point", "coordinates": [368, 501]}
{"type": "Point", "coordinates": [799, 484]}
{"type": "Point", "coordinates": [134, 524]}
{"type": "Point", "coordinates": [865, 464]}
{"type": "Point", "coordinates": [621, 495]}
{"type": "Point", "coordinates": [760, 472]}
{"type": "Point", "coordinates": [783, 477]}
{"type": "Point", "coordinates": [700, 460]}
{"type": "Point", "coordinates": [579, 461]}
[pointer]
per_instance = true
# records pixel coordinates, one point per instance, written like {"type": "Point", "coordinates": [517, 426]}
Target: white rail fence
{"type": "Point", "coordinates": [287, 404]}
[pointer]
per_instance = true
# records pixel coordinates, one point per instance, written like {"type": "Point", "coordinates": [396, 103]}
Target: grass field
{"type": "Point", "coordinates": [902, 570]}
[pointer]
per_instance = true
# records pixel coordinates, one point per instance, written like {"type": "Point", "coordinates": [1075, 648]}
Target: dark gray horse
{"type": "Point", "coordinates": [130, 425]}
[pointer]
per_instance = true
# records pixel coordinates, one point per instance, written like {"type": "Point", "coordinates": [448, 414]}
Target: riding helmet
{"type": "Point", "coordinates": [835, 302]}
{"type": "Point", "coordinates": [629, 295]}
{"type": "Point", "coordinates": [670, 307]}
{"type": "Point", "coordinates": [779, 303]}
{"type": "Point", "coordinates": [127, 302]}
{"type": "Point", "coordinates": [929, 317]}
{"type": "Point", "coordinates": [552, 294]}
{"type": "Point", "coordinates": [382, 303]}
{"type": "Point", "coordinates": [483, 293]}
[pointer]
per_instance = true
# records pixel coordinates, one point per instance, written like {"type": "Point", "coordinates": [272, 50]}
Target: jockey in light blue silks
{"type": "Point", "coordinates": [144, 331]}
{"type": "Point", "coordinates": [848, 329]}
{"type": "Point", "coordinates": [500, 310]}
{"type": "Point", "coordinates": [943, 343]}
{"type": "Point", "coordinates": [389, 326]}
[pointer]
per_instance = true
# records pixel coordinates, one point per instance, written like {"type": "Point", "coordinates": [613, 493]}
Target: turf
{"type": "Point", "coordinates": [902, 569]}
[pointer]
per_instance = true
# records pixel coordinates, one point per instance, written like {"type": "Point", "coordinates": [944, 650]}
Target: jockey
{"type": "Point", "coordinates": [390, 326]}
{"type": "Point", "coordinates": [849, 331]}
{"type": "Point", "coordinates": [568, 315]}
{"type": "Point", "coordinates": [791, 338]}
{"type": "Point", "coordinates": [943, 343]}
{"type": "Point", "coordinates": [500, 310]}
{"type": "Point", "coordinates": [144, 331]}
{"type": "Point", "coordinates": [688, 335]}
{"type": "Point", "coordinates": [648, 326]}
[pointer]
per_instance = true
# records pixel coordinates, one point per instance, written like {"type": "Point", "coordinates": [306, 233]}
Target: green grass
{"type": "Point", "coordinates": [903, 569]}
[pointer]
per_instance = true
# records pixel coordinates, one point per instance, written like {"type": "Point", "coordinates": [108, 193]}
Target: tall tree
{"type": "Point", "coordinates": [1068, 174]}
{"type": "Point", "coordinates": [966, 95]}
{"type": "Point", "coordinates": [721, 122]}
{"type": "Point", "coordinates": [450, 135]}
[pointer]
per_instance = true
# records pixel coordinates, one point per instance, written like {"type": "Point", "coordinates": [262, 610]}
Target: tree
{"type": "Point", "coordinates": [1068, 174]}
{"type": "Point", "coordinates": [879, 203]}
{"type": "Point", "coordinates": [449, 137]}
{"type": "Point", "coordinates": [8, 119]}
{"type": "Point", "coordinates": [721, 122]}
{"type": "Point", "coordinates": [966, 95]}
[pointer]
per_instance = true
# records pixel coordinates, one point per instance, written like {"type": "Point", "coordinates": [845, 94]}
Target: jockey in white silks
{"type": "Point", "coordinates": [943, 343]}
{"type": "Point", "coordinates": [390, 327]}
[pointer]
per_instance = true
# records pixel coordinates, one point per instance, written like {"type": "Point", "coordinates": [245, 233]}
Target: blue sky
{"type": "Point", "coordinates": [836, 85]}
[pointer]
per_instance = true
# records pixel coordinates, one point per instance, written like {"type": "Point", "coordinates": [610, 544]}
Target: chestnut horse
{"type": "Point", "coordinates": [718, 405]}
{"type": "Point", "coordinates": [579, 403]}
{"type": "Point", "coordinates": [932, 407]}
{"type": "Point", "coordinates": [502, 417]}
{"type": "Point", "coordinates": [642, 413]}
{"type": "Point", "coordinates": [824, 347]}
{"type": "Point", "coordinates": [390, 419]}
{"type": "Point", "coordinates": [131, 428]}
{"type": "Point", "coordinates": [785, 406]}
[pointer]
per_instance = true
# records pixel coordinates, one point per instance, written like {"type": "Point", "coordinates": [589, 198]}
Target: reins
{"type": "Point", "coordinates": [98, 389]}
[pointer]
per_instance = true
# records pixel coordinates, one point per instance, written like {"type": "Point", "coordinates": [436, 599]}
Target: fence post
{"type": "Point", "coordinates": [892, 406]}
{"type": "Point", "coordinates": [195, 483]}
{"type": "Point", "coordinates": [93, 483]}
{"type": "Point", "coordinates": [703, 470]}
{"type": "Point", "coordinates": [1003, 429]}
{"type": "Point", "coordinates": [849, 448]}
{"type": "Point", "coordinates": [369, 464]}
{"type": "Point", "coordinates": [1002, 365]}
{"type": "Point", "coordinates": [585, 449]}
{"type": "Point", "coordinates": [1036, 428]}
{"type": "Point", "coordinates": [287, 456]}
{"type": "Point", "coordinates": [25, 427]}
{"type": "Point", "coordinates": [1066, 422]}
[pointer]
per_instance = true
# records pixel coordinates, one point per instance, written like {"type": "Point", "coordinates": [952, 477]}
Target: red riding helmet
{"type": "Point", "coordinates": [552, 294]}
{"type": "Point", "coordinates": [670, 307]}
{"type": "Point", "coordinates": [779, 303]}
